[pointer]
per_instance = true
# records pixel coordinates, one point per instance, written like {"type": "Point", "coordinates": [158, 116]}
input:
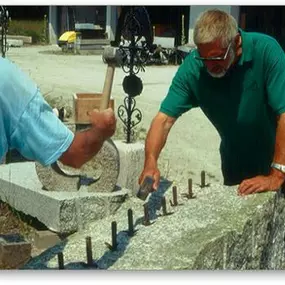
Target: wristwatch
{"type": "Point", "coordinates": [278, 166]}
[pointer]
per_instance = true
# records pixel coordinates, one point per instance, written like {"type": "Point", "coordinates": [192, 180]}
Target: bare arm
{"type": "Point", "coordinates": [279, 153]}
{"type": "Point", "coordinates": [86, 144]}
{"type": "Point", "coordinates": [155, 141]}
{"type": "Point", "coordinates": [157, 136]}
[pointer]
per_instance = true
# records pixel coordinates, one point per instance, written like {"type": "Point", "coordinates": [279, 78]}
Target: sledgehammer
{"type": "Point", "coordinates": [112, 57]}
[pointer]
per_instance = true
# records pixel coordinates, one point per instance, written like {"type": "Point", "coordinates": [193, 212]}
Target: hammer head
{"type": "Point", "coordinates": [112, 55]}
{"type": "Point", "coordinates": [145, 188]}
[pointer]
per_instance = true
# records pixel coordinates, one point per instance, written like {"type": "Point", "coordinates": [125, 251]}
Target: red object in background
{"type": "Point", "coordinates": [161, 29]}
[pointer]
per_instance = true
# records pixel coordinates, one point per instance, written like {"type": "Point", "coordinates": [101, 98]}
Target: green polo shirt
{"type": "Point", "coordinates": [242, 105]}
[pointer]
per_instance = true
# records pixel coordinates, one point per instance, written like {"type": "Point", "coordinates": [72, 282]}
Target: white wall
{"type": "Point", "coordinates": [111, 21]}
{"type": "Point", "coordinates": [52, 24]}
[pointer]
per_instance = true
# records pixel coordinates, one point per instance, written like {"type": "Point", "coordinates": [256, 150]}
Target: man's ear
{"type": "Point", "coordinates": [237, 40]}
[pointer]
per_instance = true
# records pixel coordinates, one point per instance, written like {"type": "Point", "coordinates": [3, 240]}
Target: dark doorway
{"type": "Point", "coordinates": [69, 16]}
{"type": "Point", "coordinates": [27, 12]}
{"type": "Point", "coordinates": [265, 19]}
{"type": "Point", "coordinates": [168, 21]}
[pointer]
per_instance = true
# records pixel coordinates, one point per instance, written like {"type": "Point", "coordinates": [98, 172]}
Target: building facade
{"type": "Point", "coordinates": [166, 20]}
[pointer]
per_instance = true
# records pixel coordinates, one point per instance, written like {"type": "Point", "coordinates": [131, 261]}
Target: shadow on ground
{"type": "Point", "coordinates": [110, 256]}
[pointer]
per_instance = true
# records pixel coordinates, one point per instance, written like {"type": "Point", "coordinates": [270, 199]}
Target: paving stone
{"type": "Point", "coordinates": [46, 239]}
{"type": "Point", "coordinates": [14, 251]}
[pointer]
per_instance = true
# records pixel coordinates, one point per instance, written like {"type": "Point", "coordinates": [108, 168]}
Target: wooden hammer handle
{"type": "Point", "coordinates": [107, 87]}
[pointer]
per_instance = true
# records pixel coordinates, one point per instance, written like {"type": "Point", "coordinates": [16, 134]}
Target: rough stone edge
{"type": "Point", "coordinates": [224, 251]}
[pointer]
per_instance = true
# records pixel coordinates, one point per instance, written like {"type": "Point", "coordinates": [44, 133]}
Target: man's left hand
{"type": "Point", "coordinates": [261, 183]}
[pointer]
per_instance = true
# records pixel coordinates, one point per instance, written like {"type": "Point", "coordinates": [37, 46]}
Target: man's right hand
{"type": "Point", "coordinates": [153, 172]}
{"type": "Point", "coordinates": [103, 122]}
{"type": "Point", "coordinates": [88, 143]}
{"type": "Point", "coordinates": [155, 141]}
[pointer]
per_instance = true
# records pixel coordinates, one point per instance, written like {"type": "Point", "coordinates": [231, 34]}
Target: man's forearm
{"type": "Point", "coordinates": [156, 137]}
{"type": "Point", "coordinates": [84, 146]}
{"type": "Point", "coordinates": [279, 153]}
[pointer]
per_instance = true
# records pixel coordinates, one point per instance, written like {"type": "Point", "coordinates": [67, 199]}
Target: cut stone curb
{"type": "Point", "coordinates": [217, 230]}
{"type": "Point", "coordinates": [61, 212]}
{"type": "Point", "coordinates": [131, 164]}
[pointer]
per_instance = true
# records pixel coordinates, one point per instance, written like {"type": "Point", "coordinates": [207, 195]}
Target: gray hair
{"type": "Point", "coordinates": [215, 24]}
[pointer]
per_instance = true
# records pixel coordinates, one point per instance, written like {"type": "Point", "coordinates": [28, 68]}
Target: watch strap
{"type": "Point", "coordinates": [278, 166]}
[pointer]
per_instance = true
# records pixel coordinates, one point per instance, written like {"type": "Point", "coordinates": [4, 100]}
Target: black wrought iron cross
{"type": "Point", "coordinates": [133, 26]}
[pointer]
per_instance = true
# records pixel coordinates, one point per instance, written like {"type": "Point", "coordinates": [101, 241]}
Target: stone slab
{"type": "Point", "coordinates": [61, 212]}
{"type": "Point", "coordinates": [15, 43]}
{"type": "Point", "coordinates": [25, 39]}
{"type": "Point", "coordinates": [45, 239]}
{"type": "Point", "coordinates": [131, 164]}
{"type": "Point", "coordinates": [14, 251]}
{"type": "Point", "coordinates": [216, 230]}
{"type": "Point", "coordinates": [104, 165]}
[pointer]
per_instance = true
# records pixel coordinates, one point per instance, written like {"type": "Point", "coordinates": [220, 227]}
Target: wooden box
{"type": "Point", "coordinates": [85, 102]}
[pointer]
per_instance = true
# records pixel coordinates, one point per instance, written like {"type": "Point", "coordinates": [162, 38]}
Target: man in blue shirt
{"type": "Point", "coordinates": [29, 125]}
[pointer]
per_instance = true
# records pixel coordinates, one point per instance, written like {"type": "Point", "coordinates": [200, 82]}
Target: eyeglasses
{"type": "Point", "coordinates": [216, 58]}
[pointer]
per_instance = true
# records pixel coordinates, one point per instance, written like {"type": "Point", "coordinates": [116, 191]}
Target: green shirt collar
{"type": "Point", "coordinates": [247, 47]}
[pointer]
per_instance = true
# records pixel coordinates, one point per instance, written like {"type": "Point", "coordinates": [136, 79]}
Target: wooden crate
{"type": "Point", "coordinates": [85, 102]}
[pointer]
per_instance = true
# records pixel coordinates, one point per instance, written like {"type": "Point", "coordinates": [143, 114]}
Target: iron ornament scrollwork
{"type": "Point", "coordinates": [130, 116]}
{"type": "Point", "coordinates": [136, 26]}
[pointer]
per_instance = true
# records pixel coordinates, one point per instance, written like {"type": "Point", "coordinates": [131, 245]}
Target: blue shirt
{"type": "Point", "coordinates": [27, 122]}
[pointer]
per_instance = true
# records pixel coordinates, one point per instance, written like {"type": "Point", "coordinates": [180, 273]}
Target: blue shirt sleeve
{"type": "Point", "coordinates": [27, 122]}
{"type": "Point", "coordinates": [39, 134]}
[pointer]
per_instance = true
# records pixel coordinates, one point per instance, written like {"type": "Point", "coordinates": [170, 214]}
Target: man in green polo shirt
{"type": "Point", "coordinates": [238, 80]}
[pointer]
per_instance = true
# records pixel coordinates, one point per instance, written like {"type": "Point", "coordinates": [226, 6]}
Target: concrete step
{"type": "Point", "coordinates": [95, 42]}
{"type": "Point", "coordinates": [25, 39]}
{"type": "Point", "coordinates": [15, 43]}
{"type": "Point", "coordinates": [92, 47]}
